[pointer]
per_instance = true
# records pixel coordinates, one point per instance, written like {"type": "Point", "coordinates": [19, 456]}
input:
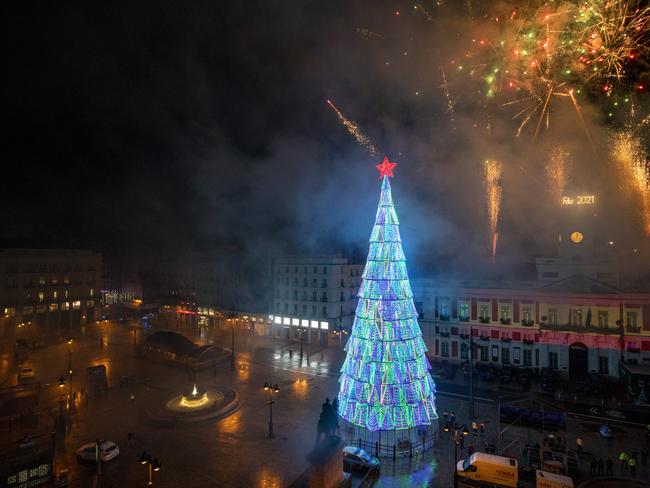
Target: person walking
{"type": "Point", "coordinates": [601, 467]}
{"type": "Point", "coordinates": [610, 467]}
{"type": "Point", "coordinates": [622, 457]}
{"type": "Point", "coordinates": [632, 464]}
{"type": "Point", "coordinates": [474, 427]}
{"type": "Point", "coordinates": [592, 467]}
{"type": "Point", "coordinates": [461, 441]}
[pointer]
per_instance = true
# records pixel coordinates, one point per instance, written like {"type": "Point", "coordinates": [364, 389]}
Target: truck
{"type": "Point", "coordinates": [552, 480]}
{"type": "Point", "coordinates": [490, 470]}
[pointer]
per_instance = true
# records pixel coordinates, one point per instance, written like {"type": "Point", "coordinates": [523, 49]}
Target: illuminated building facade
{"type": "Point", "coordinates": [314, 296]}
{"type": "Point", "coordinates": [577, 324]}
{"type": "Point", "coordinates": [46, 292]}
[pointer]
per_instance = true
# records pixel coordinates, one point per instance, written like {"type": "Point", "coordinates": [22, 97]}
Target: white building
{"type": "Point", "coordinates": [313, 295]}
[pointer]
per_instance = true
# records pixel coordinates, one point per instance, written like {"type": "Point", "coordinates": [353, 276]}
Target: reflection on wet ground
{"type": "Point", "coordinates": [417, 474]}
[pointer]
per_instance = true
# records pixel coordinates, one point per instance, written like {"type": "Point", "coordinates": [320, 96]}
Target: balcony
{"type": "Point", "coordinates": [444, 334]}
{"type": "Point", "coordinates": [528, 323]}
{"type": "Point", "coordinates": [581, 329]}
{"type": "Point", "coordinates": [506, 339]}
{"type": "Point", "coordinates": [528, 342]}
{"type": "Point", "coordinates": [633, 349]}
{"type": "Point", "coordinates": [505, 321]}
{"type": "Point", "coordinates": [484, 338]}
{"type": "Point", "coordinates": [633, 330]}
{"type": "Point", "coordinates": [464, 336]}
{"type": "Point", "coordinates": [463, 319]}
{"type": "Point", "coordinates": [484, 320]}
{"type": "Point", "coordinates": [444, 318]}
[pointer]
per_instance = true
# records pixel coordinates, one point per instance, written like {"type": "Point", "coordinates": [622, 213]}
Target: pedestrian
{"type": "Point", "coordinates": [452, 418]}
{"type": "Point", "coordinates": [461, 441]}
{"type": "Point", "coordinates": [579, 443]}
{"type": "Point", "coordinates": [601, 467]}
{"type": "Point", "coordinates": [644, 457]}
{"type": "Point", "coordinates": [474, 427]}
{"type": "Point", "coordinates": [592, 467]}
{"type": "Point", "coordinates": [482, 427]}
{"type": "Point", "coordinates": [610, 468]}
{"type": "Point", "coordinates": [632, 464]}
{"type": "Point", "coordinates": [622, 457]}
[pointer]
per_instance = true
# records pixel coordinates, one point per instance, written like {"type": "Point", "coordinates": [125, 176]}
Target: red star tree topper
{"type": "Point", "coordinates": [386, 168]}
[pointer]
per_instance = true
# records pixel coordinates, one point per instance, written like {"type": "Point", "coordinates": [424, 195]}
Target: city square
{"type": "Point", "coordinates": [195, 292]}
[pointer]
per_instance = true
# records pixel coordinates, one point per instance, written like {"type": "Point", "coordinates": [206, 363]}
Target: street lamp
{"type": "Point", "coordinates": [61, 386]}
{"type": "Point", "coordinates": [153, 465]}
{"type": "Point", "coordinates": [447, 428]}
{"type": "Point", "coordinates": [70, 368]}
{"type": "Point", "coordinates": [271, 389]}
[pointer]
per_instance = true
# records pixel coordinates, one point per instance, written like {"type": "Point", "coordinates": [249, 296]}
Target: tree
{"type": "Point", "coordinates": [385, 382]}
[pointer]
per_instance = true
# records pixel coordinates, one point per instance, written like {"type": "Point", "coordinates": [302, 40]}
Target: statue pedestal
{"type": "Point", "coordinates": [326, 469]}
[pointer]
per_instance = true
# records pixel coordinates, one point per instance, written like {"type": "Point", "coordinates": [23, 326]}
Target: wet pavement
{"type": "Point", "coordinates": [236, 451]}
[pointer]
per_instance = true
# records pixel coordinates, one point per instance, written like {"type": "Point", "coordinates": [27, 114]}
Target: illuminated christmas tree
{"type": "Point", "coordinates": [385, 383]}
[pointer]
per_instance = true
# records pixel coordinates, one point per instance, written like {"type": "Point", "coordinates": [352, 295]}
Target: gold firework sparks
{"type": "Point", "coordinates": [492, 174]}
{"type": "Point", "coordinates": [629, 155]}
{"type": "Point", "coordinates": [450, 102]}
{"type": "Point", "coordinates": [557, 172]}
{"type": "Point", "coordinates": [354, 130]}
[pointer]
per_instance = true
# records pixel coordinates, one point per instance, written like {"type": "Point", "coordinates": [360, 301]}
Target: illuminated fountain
{"type": "Point", "coordinates": [194, 405]}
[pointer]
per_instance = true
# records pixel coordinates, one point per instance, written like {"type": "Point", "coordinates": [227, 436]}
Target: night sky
{"type": "Point", "coordinates": [163, 127]}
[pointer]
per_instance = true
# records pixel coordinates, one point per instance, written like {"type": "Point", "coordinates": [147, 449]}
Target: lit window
{"type": "Point", "coordinates": [41, 296]}
{"type": "Point", "coordinates": [41, 280]}
{"type": "Point", "coordinates": [65, 306]}
{"type": "Point", "coordinates": [304, 323]}
{"type": "Point", "coordinates": [65, 293]}
{"type": "Point", "coordinates": [90, 303]}
{"type": "Point", "coordinates": [324, 325]}
{"type": "Point", "coordinates": [91, 292]}
{"type": "Point", "coordinates": [314, 324]}
{"type": "Point", "coordinates": [54, 307]}
{"type": "Point", "coordinates": [286, 320]}
{"type": "Point", "coordinates": [66, 280]}
{"type": "Point", "coordinates": [76, 304]}
{"type": "Point", "coordinates": [295, 321]}
{"type": "Point", "coordinates": [277, 320]}
{"type": "Point", "coordinates": [28, 309]}
{"type": "Point", "coordinates": [54, 294]}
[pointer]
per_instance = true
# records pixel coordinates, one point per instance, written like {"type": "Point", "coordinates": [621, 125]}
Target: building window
{"type": "Point", "coordinates": [28, 309]}
{"type": "Point", "coordinates": [528, 357]}
{"type": "Point", "coordinates": [66, 280]}
{"type": "Point", "coordinates": [526, 315]}
{"type": "Point", "coordinates": [76, 304]}
{"type": "Point", "coordinates": [41, 296]}
{"type": "Point", "coordinates": [444, 309]}
{"type": "Point", "coordinates": [463, 350]}
{"type": "Point", "coordinates": [603, 365]}
{"type": "Point", "coordinates": [54, 307]}
{"type": "Point", "coordinates": [315, 270]}
{"type": "Point", "coordinates": [576, 317]}
{"type": "Point", "coordinates": [91, 292]}
{"type": "Point", "coordinates": [552, 316]}
{"type": "Point", "coordinates": [304, 310]}
{"type": "Point", "coordinates": [313, 311]}
{"type": "Point", "coordinates": [505, 312]}
{"type": "Point", "coordinates": [304, 295]}
{"type": "Point", "coordinates": [324, 297]}
{"type": "Point", "coordinates": [484, 312]}
{"type": "Point", "coordinates": [304, 282]}
{"type": "Point", "coordinates": [463, 311]}
{"type": "Point", "coordinates": [286, 281]}
{"type": "Point", "coordinates": [484, 354]}
{"type": "Point", "coordinates": [553, 360]}
{"type": "Point", "coordinates": [295, 309]}
{"type": "Point", "coordinates": [324, 312]}
{"type": "Point", "coordinates": [505, 355]}
{"type": "Point", "coordinates": [54, 294]}
{"type": "Point", "coordinates": [324, 270]}
{"type": "Point", "coordinates": [603, 318]}
{"type": "Point", "coordinates": [65, 306]}
{"type": "Point", "coordinates": [90, 303]}
{"type": "Point", "coordinates": [630, 319]}
{"type": "Point", "coordinates": [295, 282]}
{"type": "Point", "coordinates": [516, 355]}
{"type": "Point", "coordinates": [41, 280]}
{"type": "Point", "coordinates": [295, 294]}
{"type": "Point", "coordinates": [286, 308]}
{"type": "Point", "coordinates": [495, 353]}
{"type": "Point", "coordinates": [313, 296]}
{"type": "Point", "coordinates": [444, 349]}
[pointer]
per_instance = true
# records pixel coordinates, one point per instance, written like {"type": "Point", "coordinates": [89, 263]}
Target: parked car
{"type": "Point", "coordinates": [26, 374]}
{"type": "Point", "coordinates": [356, 459]}
{"type": "Point", "coordinates": [107, 451]}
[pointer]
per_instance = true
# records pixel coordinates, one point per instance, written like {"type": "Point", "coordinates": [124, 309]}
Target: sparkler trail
{"type": "Point", "coordinates": [492, 174]}
{"type": "Point", "coordinates": [354, 130]}
{"type": "Point", "coordinates": [629, 155]}
{"type": "Point", "coordinates": [557, 172]}
{"type": "Point", "coordinates": [450, 102]}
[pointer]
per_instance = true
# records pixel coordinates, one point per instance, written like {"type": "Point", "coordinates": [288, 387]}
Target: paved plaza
{"type": "Point", "coordinates": [236, 451]}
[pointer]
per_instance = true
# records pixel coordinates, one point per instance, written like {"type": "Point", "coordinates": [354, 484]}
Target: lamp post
{"type": "Point", "coordinates": [455, 428]}
{"type": "Point", "coordinates": [232, 318]}
{"type": "Point", "coordinates": [271, 389]}
{"type": "Point", "coordinates": [152, 464]}
{"type": "Point", "coordinates": [70, 369]}
{"type": "Point", "coordinates": [61, 386]}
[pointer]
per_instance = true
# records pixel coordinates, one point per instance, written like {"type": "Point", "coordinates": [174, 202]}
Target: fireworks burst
{"type": "Point", "coordinates": [450, 102]}
{"type": "Point", "coordinates": [354, 130]}
{"type": "Point", "coordinates": [557, 172]}
{"type": "Point", "coordinates": [629, 155]}
{"type": "Point", "coordinates": [492, 174]}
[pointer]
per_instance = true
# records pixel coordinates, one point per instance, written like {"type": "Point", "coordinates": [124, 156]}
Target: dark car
{"type": "Point", "coordinates": [356, 459]}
